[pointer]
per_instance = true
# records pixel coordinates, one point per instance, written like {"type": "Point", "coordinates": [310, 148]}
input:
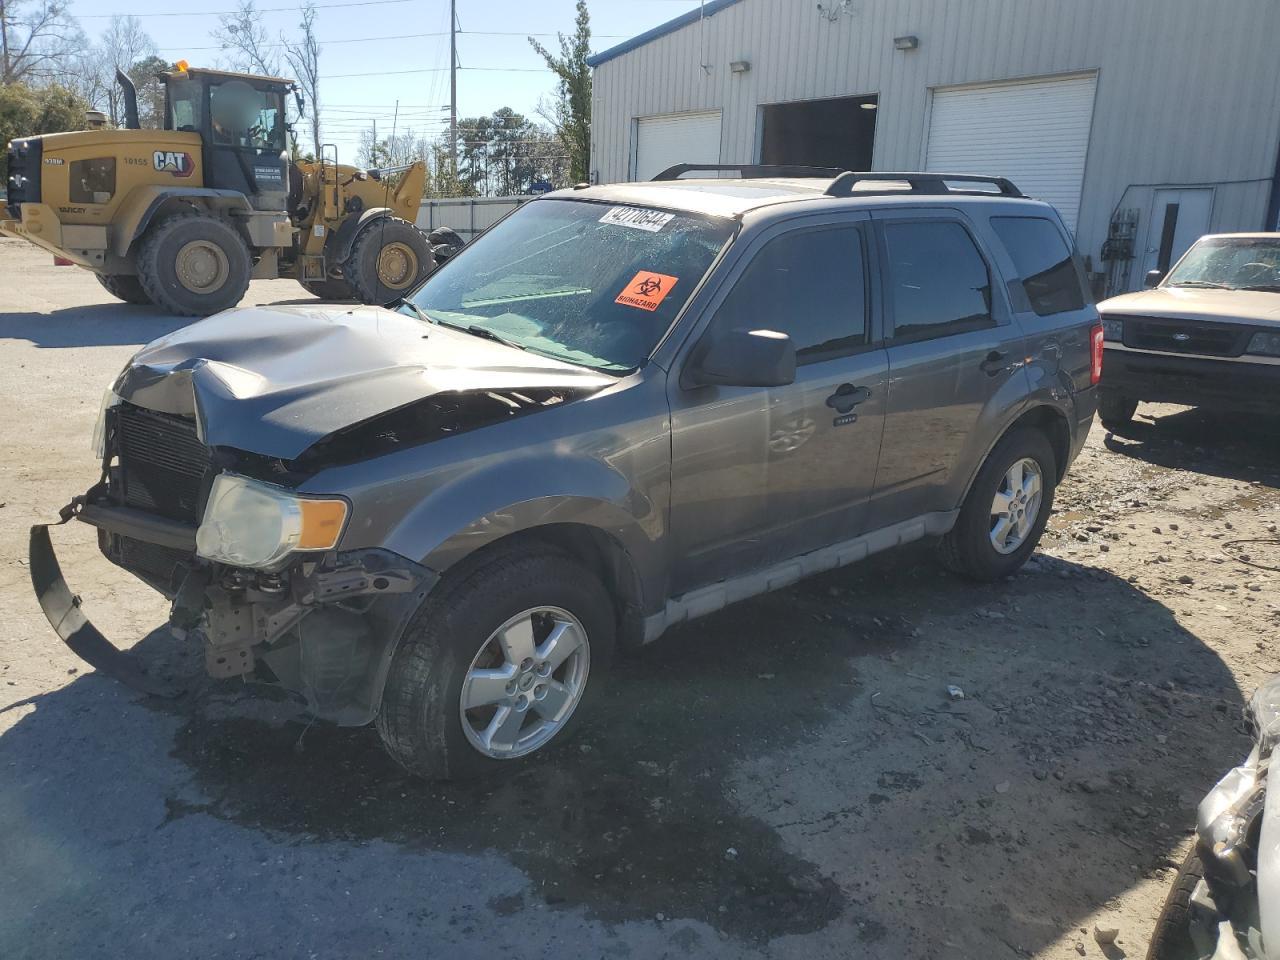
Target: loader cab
{"type": "Point", "coordinates": [241, 122]}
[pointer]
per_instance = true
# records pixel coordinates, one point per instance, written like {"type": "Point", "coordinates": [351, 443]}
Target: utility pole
{"type": "Point", "coordinates": [453, 84]}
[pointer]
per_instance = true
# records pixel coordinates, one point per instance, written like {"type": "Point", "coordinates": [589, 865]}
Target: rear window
{"type": "Point", "coordinates": [1045, 264]}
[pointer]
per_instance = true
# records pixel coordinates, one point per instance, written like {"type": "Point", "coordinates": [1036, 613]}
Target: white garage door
{"type": "Point", "coordinates": [677, 138]}
{"type": "Point", "coordinates": [1036, 133]}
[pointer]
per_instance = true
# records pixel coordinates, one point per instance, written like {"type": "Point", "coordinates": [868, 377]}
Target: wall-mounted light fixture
{"type": "Point", "coordinates": [909, 42]}
{"type": "Point", "coordinates": [740, 66]}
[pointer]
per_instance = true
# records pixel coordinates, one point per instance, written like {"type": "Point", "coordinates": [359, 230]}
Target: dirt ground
{"type": "Point", "coordinates": [787, 779]}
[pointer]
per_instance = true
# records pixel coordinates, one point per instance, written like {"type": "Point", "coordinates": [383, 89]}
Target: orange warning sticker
{"type": "Point", "coordinates": [646, 290]}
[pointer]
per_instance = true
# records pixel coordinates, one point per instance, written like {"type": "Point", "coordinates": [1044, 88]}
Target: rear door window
{"type": "Point", "coordinates": [1046, 267]}
{"type": "Point", "coordinates": [938, 280]}
{"type": "Point", "coordinates": [810, 285]}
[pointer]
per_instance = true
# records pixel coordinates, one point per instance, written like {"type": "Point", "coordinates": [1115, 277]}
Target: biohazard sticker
{"type": "Point", "coordinates": [646, 290]}
{"type": "Point", "coordinates": [638, 218]}
{"type": "Point", "coordinates": [172, 161]}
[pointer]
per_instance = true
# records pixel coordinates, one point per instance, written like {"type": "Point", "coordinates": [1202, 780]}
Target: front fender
{"type": "Point", "coordinates": [338, 247]}
{"type": "Point", "coordinates": [519, 494]}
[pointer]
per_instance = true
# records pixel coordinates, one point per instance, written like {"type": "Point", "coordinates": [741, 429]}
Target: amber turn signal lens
{"type": "Point", "coordinates": [322, 522]}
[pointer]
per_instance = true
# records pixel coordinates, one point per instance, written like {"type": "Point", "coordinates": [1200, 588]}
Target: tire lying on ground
{"type": "Point", "coordinates": [1007, 507]}
{"type": "Point", "coordinates": [122, 287]}
{"type": "Point", "coordinates": [495, 665]}
{"type": "Point", "coordinates": [331, 289]}
{"type": "Point", "coordinates": [193, 265]}
{"type": "Point", "coordinates": [389, 258]}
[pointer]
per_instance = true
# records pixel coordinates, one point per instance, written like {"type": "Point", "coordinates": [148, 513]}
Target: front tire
{"type": "Point", "coordinates": [495, 666]}
{"type": "Point", "coordinates": [1171, 939]}
{"type": "Point", "coordinates": [193, 265]}
{"type": "Point", "coordinates": [124, 287]}
{"type": "Point", "coordinates": [1115, 410]}
{"type": "Point", "coordinates": [390, 257]}
{"type": "Point", "coordinates": [1006, 510]}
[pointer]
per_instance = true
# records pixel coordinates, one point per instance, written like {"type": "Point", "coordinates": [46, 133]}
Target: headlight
{"type": "Point", "coordinates": [1112, 329]}
{"type": "Point", "coordinates": [109, 400]}
{"type": "Point", "coordinates": [1267, 344]}
{"type": "Point", "coordinates": [251, 524]}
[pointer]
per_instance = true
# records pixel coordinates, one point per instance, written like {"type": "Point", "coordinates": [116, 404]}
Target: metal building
{"type": "Point", "coordinates": [1147, 122]}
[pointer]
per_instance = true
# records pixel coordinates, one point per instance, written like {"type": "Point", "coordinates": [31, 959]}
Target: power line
{"type": "Point", "coordinates": [396, 73]}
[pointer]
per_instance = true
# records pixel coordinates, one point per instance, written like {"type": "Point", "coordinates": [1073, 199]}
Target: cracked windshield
{"type": "Point", "coordinates": [593, 284]}
{"type": "Point", "coordinates": [1232, 263]}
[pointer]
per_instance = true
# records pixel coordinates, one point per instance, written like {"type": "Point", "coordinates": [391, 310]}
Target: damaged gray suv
{"type": "Point", "coordinates": [619, 409]}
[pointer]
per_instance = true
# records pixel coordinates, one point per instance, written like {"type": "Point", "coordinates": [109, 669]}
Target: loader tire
{"type": "Point", "coordinates": [329, 289]}
{"type": "Point", "coordinates": [194, 265]}
{"type": "Point", "coordinates": [390, 257]}
{"type": "Point", "coordinates": [125, 288]}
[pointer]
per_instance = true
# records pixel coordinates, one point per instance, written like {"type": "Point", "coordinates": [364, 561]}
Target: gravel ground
{"type": "Point", "coordinates": [788, 778]}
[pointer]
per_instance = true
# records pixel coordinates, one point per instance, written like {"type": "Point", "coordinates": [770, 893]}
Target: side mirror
{"type": "Point", "coordinates": [1153, 277]}
{"type": "Point", "coordinates": [745, 358]}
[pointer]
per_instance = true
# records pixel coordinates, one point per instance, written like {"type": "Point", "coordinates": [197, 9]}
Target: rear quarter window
{"type": "Point", "coordinates": [1045, 263]}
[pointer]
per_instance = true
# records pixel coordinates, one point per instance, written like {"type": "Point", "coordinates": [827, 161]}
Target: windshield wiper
{"type": "Point", "coordinates": [1199, 283]}
{"type": "Point", "coordinates": [485, 333]}
{"type": "Point", "coordinates": [1267, 287]}
{"type": "Point", "coordinates": [421, 314]}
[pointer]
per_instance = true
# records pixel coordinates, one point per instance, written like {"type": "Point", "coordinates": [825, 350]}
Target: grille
{"type": "Point", "coordinates": [162, 462]}
{"type": "Point", "coordinates": [159, 566]}
{"type": "Point", "coordinates": [1185, 336]}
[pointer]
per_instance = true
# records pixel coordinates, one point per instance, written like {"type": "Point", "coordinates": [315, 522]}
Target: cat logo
{"type": "Point", "coordinates": [178, 164]}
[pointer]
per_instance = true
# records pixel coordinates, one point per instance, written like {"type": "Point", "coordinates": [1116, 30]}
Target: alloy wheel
{"type": "Point", "coordinates": [1016, 505]}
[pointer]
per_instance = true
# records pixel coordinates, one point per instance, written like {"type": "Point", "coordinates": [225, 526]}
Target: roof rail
{"type": "Point", "coordinates": [751, 171]}
{"type": "Point", "coordinates": [936, 183]}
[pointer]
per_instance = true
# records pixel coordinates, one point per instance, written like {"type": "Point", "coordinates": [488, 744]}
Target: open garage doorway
{"type": "Point", "coordinates": [839, 132]}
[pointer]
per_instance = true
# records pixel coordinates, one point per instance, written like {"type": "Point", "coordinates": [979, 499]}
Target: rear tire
{"type": "Point", "coordinates": [1171, 939]}
{"type": "Point", "coordinates": [970, 549]}
{"type": "Point", "coordinates": [390, 257]}
{"type": "Point", "coordinates": [124, 287]}
{"type": "Point", "coordinates": [193, 265]}
{"type": "Point", "coordinates": [1115, 410]}
{"type": "Point", "coordinates": [329, 289]}
{"type": "Point", "coordinates": [454, 646]}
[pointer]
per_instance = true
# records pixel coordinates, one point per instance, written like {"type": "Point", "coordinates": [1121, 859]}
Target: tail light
{"type": "Point", "coordinates": [1095, 354]}
{"type": "Point", "coordinates": [63, 262]}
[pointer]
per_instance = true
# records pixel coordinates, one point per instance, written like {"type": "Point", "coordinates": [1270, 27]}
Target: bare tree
{"type": "Point", "coordinates": [124, 43]}
{"type": "Point", "coordinates": [246, 41]}
{"type": "Point", "coordinates": [303, 55]}
{"type": "Point", "coordinates": [39, 40]}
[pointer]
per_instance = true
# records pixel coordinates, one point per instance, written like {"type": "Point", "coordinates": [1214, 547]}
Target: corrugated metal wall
{"type": "Point", "coordinates": [1188, 90]}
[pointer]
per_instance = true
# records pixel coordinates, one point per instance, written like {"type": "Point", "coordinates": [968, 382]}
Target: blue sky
{"type": "Point", "coordinates": [493, 36]}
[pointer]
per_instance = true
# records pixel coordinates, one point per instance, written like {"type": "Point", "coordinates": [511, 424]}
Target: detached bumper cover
{"type": "Point", "coordinates": [62, 608]}
{"type": "Point", "coordinates": [1238, 384]}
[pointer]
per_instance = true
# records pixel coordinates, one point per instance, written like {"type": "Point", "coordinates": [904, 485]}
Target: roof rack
{"type": "Point", "coordinates": [751, 171]}
{"type": "Point", "coordinates": [935, 183]}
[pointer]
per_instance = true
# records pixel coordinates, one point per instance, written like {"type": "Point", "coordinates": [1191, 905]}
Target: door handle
{"type": "Point", "coordinates": [994, 362]}
{"type": "Point", "coordinates": [846, 397]}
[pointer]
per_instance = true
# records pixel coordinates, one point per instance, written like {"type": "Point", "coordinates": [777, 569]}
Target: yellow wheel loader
{"type": "Point", "coordinates": [184, 217]}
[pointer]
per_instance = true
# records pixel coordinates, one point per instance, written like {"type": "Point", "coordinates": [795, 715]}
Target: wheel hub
{"type": "Point", "coordinates": [397, 265]}
{"type": "Point", "coordinates": [201, 266]}
{"type": "Point", "coordinates": [525, 682]}
{"type": "Point", "coordinates": [1016, 505]}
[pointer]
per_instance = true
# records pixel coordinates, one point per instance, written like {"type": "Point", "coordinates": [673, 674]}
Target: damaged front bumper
{"type": "Point", "coordinates": [324, 627]}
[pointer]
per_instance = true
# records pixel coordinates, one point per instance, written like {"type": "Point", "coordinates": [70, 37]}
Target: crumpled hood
{"type": "Point", "coordinates": [274, 380]}
{"type": "Point", "coordinates": [1197, 303]}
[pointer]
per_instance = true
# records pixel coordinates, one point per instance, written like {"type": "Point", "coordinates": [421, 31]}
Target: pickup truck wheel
{"type": "Point", "coordinates": [389, 258]}
{"type": "Point", "coordinates": [193, 265]}
{"type": "Point", "coordinates": [1115, 410]}
{"type": "Point", "coordinates": [124, 287]}
{"type": "Point", "coordinates": [329, 289]}
{"type": "Point", "coordinates": [1006, 510]}
{"type": "Point", "coordinates": [495, 665]}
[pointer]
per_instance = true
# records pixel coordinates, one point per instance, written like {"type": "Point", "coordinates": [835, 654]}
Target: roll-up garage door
{"type": "Point", "coordinates": [676, 138]}
{"type": "Point", "coordinates": [1034, 132]}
